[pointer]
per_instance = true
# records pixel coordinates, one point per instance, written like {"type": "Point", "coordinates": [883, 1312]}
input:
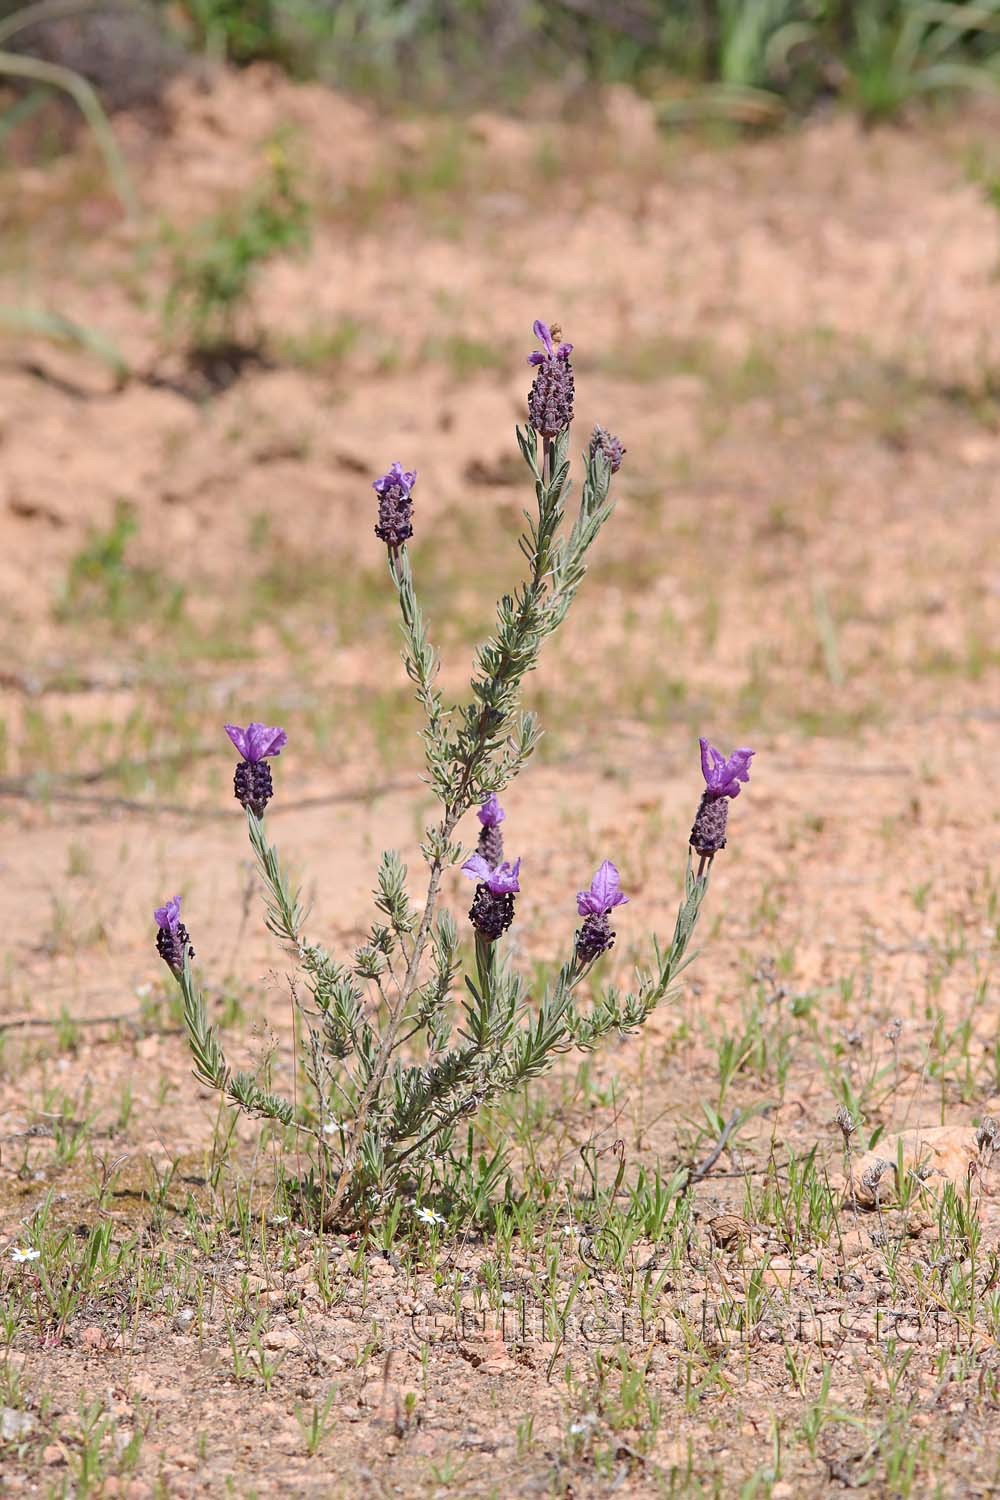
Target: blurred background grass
{"type": "Point", "coordinates": [756, 62]}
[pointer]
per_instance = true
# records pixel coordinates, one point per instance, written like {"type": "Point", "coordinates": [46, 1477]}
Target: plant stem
{"type": "Point", "coordinates": [395, 1019]}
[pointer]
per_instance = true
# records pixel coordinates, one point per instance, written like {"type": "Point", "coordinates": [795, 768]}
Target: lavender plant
{"type": "Point", "coordinates": [400, 1044]}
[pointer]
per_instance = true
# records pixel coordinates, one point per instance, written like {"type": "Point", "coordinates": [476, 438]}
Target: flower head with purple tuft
{"type": "Point", "coordinates": [722, 781]}
{"type": "Point", "coordinates": [252, 784]}
{"type": "Point", "coordinates": [595, 905]}
{"type": "Point", "coordinates": [395, 505]}
{"type": "Point", "coordinates": [550, 400]}
{"type": "Point", "coordinates": [492, 909]}
{"type": "Point", "coordinates": [172, 941]}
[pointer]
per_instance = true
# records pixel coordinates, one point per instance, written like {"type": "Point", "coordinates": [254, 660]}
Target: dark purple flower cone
{"type": "Point", "coordinates": [708, 835]}
{"type": "Point", "coordinates": [594, 938]}
{"type": "Point", "coordinates": [252, 785]}
{"type": "Point", "coordinates": [550, 400]}
{"type": "Point", "coordinates": [490, 844]}
{"type": "Point", "coordinates": [171, 944]}
{"type": "Point", "coordinates": [395, 516]}
{"type": "Point", "coordinates": [491, 914]}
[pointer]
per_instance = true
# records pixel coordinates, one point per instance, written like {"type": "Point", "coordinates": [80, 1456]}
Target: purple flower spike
{"type": "Point", "coordinates": [722, 776]}
{"type": "Point", "coordinates": [252, 784]}
{"type": "Point", "coordinates": [550, 400]}
{"type": "Point", "coordinates": [604, 895]}
{"type": "Point", "coordinates": [490, 846]}
{"type": "Point", "coordinates": [501, 880]}
{"type": "Point", "coordinates": [492, 909]}
{"type": "Point", "coordinates": [172, 941]}
{"type": "Point", "coordinates": [257, 741]}
{"type": "Point", "coordinates": [596, 936]}
{"type": "Point", "coordinates": [722, 781]}
{"type": "Point", "coordinates": [395, 506]}
{"type": "Point", "coordinates": [609, 446]}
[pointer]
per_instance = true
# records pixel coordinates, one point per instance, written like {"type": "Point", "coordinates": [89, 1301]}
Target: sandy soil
{"type": "Point", "coordinates": [797, 339]}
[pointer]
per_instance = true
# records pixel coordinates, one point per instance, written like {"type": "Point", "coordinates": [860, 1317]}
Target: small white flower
{"type": "Point", "coordinates": [428, 1216]}
{"type": "Point", "coordinates": [19, 1256]}
{"type": "Point", "coordinates": [332, 1126]}
{"type": "Point", "coordinates": [569, 1229]}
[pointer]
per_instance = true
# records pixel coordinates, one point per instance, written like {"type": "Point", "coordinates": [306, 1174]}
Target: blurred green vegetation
{"type": "Point", "coordinates": [756, 62]}
{"type": "Point", "coordinates": [215, 265]}
{"type": "Point", "coordinates": [751, 58]}
{"type": "Point", "coordinates": [104, 584]}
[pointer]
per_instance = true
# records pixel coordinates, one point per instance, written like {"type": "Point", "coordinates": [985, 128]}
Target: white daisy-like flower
{"type": "Point", "coordinates": [19, 1256]}
{"type": "Point", "coordinates": [568, 1229]}
{"type": "Point", "coordinates": [428, 1216]}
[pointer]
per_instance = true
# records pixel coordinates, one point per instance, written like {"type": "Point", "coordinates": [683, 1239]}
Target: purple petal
{"type": "Point", "coordinates": [169, 914]}
{"type": "Point", "coordinates": [238, 737]}
{"type": "Point", "coordinates": [564, 351]}
{"type": "Point", "coordinates": [605, 893]}
{"type": "Point", "coordinates": [736, 769]}
{"type": "Point", "coordinates": [536, 358]}
{"type": "Point", "coordinates": [504, 879]}
{"type": "Point", "coordinates": [257, 741]}
{"type": "Point", "coordinates": [543, 335]}
{"type": "Point", "coordinates": [491, 813]}
{"type": "Point", "coordinates": [264, 740]}
{"type": "Point", "coordinates": [722, 776]}
{"type": "Point", "coordinates": [395, 476]}
{"type": "Point", "coordinates": [711, 764]}
{"type": "Point", "coordinates": [477, 868]}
